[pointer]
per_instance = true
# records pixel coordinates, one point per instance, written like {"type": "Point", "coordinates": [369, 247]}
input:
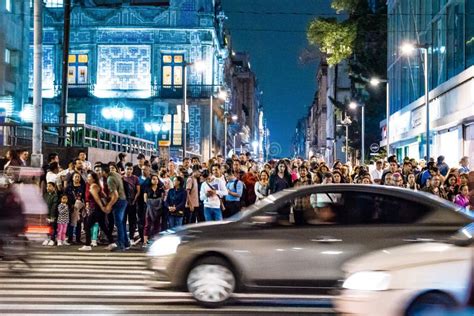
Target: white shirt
{"type": "Point", "coordinates": [213, 201]}
{"type": "Point", "coordinates": [376, 174]}
{"type": "Point", "coordinates": [51, 177]}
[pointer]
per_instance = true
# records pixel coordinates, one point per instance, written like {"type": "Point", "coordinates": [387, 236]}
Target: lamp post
{"type": "Point", "coordinates": [118, 113]}
{"type": "Point", "coordinates": [156, 128]}
{"type": "Point", "coordinates": [222, 95]}
{"type": "Point", "coordinates": [346, 122]}
{"type": "Point", "coordinates": [200, 66]}
{"type": "Point", "coordinates": [354, 105]}
{"type": "Point", "coordinates": [375, 82]}
{"type": "Point", "coordinates": [408, 49]}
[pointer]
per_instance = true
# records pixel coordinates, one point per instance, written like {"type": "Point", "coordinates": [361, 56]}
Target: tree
{"type": "Point", "coordinates": [361, 39]}
{"type": "Point", "coordinates": [334, 38]}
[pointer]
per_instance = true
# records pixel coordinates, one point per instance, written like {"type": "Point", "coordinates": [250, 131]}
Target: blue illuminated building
{"type": "Point", "coordinates": [132, 55]}
{"type": "Point", "coordinates": [446, 27]}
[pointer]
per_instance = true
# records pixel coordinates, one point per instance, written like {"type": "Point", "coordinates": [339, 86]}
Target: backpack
{"type": "Point", "coordinates": [243, 197]}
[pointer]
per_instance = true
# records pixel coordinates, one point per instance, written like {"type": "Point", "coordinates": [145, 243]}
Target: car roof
{"type": "Point", "coordinates": [403, 193]}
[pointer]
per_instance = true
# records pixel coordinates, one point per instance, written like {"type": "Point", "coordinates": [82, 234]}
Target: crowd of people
{"type": "Point", "coordinates": [140, 200]}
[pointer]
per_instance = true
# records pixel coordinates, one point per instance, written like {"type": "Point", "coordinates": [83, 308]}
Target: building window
{"type": "Point", "coordinates": [7, 56]}
{"type": "Point", "coordinates": [172, 71]}
{"type": "Point", "coordinates": [77, 69]}
{"type": "Point", "coordinates": [8, 5]}
{"type": "Point", "coordinates": [54, 3]}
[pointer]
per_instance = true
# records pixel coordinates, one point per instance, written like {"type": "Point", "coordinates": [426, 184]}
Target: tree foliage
{"type": "Point", "coordinates": [344, 5]}
{"type": "Point", "coordinates": [361, 39]}
{"type": "Point", "coordinates": [335, 39]}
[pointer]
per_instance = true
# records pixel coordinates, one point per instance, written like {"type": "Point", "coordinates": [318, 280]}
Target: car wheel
{"type": "Point", "coordinates": [429, 303]}
{"type": "Point", "coordinates": [211, 281]}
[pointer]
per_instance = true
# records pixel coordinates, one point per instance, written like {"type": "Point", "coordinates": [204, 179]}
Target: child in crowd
{"type": "Point", "coordinates": [52, 200]}
{"type": "Point", "coordinates": [63, 220]}
{"type": "Point", "coordinates": [462, 199]}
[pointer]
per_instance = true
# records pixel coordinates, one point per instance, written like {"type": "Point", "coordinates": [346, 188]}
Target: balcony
{"type": "Point", "coordinates": [157, 91]}
{"type": "Point", "coordinates": [176, 92]}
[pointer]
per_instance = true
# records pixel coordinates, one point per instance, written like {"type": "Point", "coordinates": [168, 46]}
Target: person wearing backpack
{"type": "Point", "coordinates": [235, 189]}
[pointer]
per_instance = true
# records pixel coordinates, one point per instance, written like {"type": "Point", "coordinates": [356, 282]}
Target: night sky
{"type": "Point", "coordinates": [288, 86]}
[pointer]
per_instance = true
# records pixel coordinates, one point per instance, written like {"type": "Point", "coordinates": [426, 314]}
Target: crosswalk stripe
{"type": "Point", "coordinates": [91, 254]}
{"type": "Point", "coordinates": [89, 258]}
{"type": "Point", "coordinates": [68, 282]}
{"type": "Point", "coordinates": [92, 287]}
{"type": "Point", "coordinates": [84, 270]}
{"type": "Point", "coordinates": [101, 307]}
{"type": "Point", "coordinates": [32, 275]}
{"type": "Point", "coordinates": [110, 265]}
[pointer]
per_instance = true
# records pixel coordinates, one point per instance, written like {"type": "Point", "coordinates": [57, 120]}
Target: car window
{"type": "Point", "coordinates": [348, 208]}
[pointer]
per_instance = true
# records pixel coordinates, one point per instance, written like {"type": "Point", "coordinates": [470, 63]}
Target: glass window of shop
{"type": "Point", "coordinates": [469, 33]}
{"type": "Point", "coordinates": [447, 26]}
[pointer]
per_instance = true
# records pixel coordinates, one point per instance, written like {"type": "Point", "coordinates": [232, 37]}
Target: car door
{"type": "Point", "coordinates": [295, 254]}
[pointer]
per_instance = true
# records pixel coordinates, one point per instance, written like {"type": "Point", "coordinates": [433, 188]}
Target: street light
{"type": "Point", "coordinates": [117, 113]}
{"type": "Point", "coordinates": [353, 105]}
{"type": "Point", "coordinates": [408, 49]}
{"type": "Point", "coordinates": [346, 122]}
{"type": "Point", "coordinates": [235, 117]}
{"type": "Point", "coordinates": [375, 82]}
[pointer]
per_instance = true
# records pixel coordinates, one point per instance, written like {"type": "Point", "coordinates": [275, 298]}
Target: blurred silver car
{"type": "Point", "coordinates": [297, 240]}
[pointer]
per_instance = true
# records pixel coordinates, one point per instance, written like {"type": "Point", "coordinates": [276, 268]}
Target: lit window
{"type": "Point", "coordinates": [77, 69]}
{"type": "Point", "coordinates": [54, 3]}
{"type": "Point", "coordinates": [8, 5]}
{"type": "Point", "coordinates": [172, 70]}
{"type": "Point", "coordinates": [7, 56]}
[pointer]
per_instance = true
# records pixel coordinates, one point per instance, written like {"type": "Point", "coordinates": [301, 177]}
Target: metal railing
{"type": "Point", "coordinates": [77, 135]}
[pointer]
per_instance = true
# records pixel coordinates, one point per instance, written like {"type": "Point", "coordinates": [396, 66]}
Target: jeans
{"type": "Point", "coordinates": [212, 214]}
{"type": "Point", "coordinates": [90, 221]}
{"type": "Point", "coordinates": [190, 217]}
{"type": "Point", "coordinates": [118, 210]}
{"type": "Point", "coordinates": [175, 221]}
{"type": "Point", "coordinates": [231, 208]}
{"type": "Point", "coordinates": [132, 219]}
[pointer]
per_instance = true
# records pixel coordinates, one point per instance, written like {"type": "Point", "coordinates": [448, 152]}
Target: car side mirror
{"type": "Point", "coordinates": [264, 220]}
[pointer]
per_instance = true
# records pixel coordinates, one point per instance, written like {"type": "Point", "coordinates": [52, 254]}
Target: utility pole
{"type": "Point", "coordinates": [64, 74]}
{"type": "Point", "coordinates": [37, 143]}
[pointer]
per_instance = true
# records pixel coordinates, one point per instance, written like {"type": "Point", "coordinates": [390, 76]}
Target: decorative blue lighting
{"type": "Point", "coordinates": [123, 68]}
{"type": "Point", "coordinates": [26, 114]}
{"type": "Point", "coordinates": [118, 113]}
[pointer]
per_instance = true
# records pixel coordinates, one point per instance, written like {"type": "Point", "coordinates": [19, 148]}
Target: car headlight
{"type": "Point", "coordinates": [368, 281]}
{"type": "Point", "coordinates": [164, 246]}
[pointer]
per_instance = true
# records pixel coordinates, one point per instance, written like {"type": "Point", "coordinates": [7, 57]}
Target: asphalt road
{"type": "Point", "coordinates": [66, 281]}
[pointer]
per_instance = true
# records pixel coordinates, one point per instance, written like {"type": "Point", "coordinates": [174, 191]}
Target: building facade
{"type": "Point", "coordinates": [447, 27]}
{"type": "Point", "coordinates": [245, 106]}
{"type": "Point", "coordinates": [129, 63]}
{"type": "Point", "coordinates": [14, 35]}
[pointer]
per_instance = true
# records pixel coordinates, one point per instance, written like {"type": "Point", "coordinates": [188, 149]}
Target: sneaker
{"type": "Point", "coordinates": [51, 243]}
{"type": "Point", "coordinates": [45, 243]}
{"type": "Point", "coordinates": [60, 243]}
{"type": "Point", "coordinates": [94, 243]}
{"type": "Point", "coordinates": [111, 247]}
{"type": "Point", "coordinates": [85, 248]}
{"type": "Point", "coordinates": [65, 243]}
{"type": "Point", "coordinates": [135, 242]}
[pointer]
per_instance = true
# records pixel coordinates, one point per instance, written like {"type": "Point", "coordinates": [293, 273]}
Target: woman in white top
{"type": "Point", "coordinates": [262, 187]}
